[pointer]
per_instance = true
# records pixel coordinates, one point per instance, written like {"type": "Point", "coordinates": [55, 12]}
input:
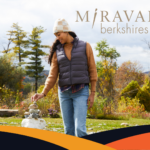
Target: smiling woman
{"type": "Point", "coordinates": [72, 60]}
{"type": "Point", "coordinates": [63, 37]}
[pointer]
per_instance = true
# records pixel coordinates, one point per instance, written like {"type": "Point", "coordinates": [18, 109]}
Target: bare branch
{"type": "Point", "coordinates": [148, 43]}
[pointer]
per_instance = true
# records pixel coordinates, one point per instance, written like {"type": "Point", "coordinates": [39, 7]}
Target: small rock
{"type": "Point", "coordinates": [58, 128]}
{"type": "Point", "coordinates": [90, 128]}
{"type": "Point", "coordinates": [126, 124]}
{"type": "Point", "coordinates": [104, 124]}
{"type": "Point", "coordinates": [100, 124]}
{"type": "Point", "coordinates": [136, 125]}
{"type": "Point", "coordinates": [54, 129]}
{"type": "Point", "coordinates": [91, 132]}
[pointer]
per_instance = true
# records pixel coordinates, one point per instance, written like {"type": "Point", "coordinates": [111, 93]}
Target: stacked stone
{"type": "Point", "coordinates": [33, 118]}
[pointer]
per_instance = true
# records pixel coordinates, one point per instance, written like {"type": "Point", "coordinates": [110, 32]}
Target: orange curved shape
{"type": "Point", "coordinates": [139, 142]}
{"type": "Point", "coordinates": [60, 139]}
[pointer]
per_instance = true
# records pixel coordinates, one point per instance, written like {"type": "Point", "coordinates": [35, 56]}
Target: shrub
{"type": "Point", "coordinates": [131, 106]}
{"type": "Point", "coordinates": [53, 113]}
{"type": "Point", "coordinates": [43, 105]}
{"type": "Point", "coordinates": [22, 108]}
{"type": "Point", "coordinates": [145, 115]}
{"type": "Point", "coordinates": [27, 88]}
{"type": "Point", "coordinates": [113, 116]}
{"type": "Point", "coordinates": [7, 97]}
{"type": "Point", "coordinates": [131, 89]}
{"type": "Point", "coordinates": [51, 97]}
{"type": "Point", "coordinates": [97, 107]}
{"type": "Point", "coordinates": [144, 94]}
{"type": "Point", "coordinates": [100, 106]}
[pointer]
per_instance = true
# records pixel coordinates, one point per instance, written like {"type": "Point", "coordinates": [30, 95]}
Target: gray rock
{"type": "Point", "coordinates": [54, 129]}
{"type": "Point", "coordinates": [90, 128]}
{"type": "Point", "coordinates": [58, 128]}
{"type": "Point", "coordinates": [91, 132]}
{"type": "Point", "coordinates": [3, 123]}
{"type": "Point", "coordinates": [126, 124]}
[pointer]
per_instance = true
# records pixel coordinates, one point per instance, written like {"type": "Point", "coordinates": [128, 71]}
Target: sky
{"type": "Point", "coordinates": [122, 13]}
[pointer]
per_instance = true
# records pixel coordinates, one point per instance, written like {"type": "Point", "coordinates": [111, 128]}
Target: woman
{"type": "Point", "coordinates": [72, 59]}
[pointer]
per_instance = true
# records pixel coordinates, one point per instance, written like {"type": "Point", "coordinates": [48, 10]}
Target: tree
{"type": "Point", "coordinates": [106, 69]}
{"type": "Point", "coordinates": [10, 78]}
{"type": "Point", "coordinates": [134, 91]}
{"type": "Point", "coordinates": [7, 50]}
{"type": "Point", "coordinates": [35, 67]}
{"type": "Point", "coordinates": [27, 88]}
{"type": "Point", "coordinates": [20, 43]}
{"type": "Point", "coordinates": [127, 72]}
{"type": "Point", "coordinates": [10, 75]}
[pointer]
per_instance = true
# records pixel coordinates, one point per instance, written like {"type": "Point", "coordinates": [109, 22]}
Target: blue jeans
{"type": "Point", "coordinates": [74, 110]}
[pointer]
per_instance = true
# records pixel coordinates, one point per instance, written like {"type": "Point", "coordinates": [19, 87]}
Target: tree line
{"type": "Point", "coordinates": [25, 45]}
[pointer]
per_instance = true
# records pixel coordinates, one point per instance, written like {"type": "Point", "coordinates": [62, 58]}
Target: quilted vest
{"type": "Point", "coordinates": [74, 71]}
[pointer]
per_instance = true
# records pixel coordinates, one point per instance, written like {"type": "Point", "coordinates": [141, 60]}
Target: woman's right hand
{"type": "Point", "coordinates": [36, 97]}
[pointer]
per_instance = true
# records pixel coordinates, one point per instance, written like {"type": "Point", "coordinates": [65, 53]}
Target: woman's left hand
{"type": "Point", "coordinates": [90, 100]}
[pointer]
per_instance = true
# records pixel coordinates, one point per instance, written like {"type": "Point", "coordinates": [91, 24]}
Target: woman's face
{"type": "Point", "coordinates": [61, 36]}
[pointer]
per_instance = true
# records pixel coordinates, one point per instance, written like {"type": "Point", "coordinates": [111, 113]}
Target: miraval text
{"type": "Point", "coordinates": [104, 17]}
{"type": "Point", "coordinates": [104, 14]}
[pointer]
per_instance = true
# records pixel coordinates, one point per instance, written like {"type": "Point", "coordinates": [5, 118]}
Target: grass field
{"type": "Point", "coordinates": [93, 125]}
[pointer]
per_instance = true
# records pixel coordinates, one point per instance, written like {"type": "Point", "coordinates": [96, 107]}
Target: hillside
{"type": "Point", "coordinates": [43, 73]}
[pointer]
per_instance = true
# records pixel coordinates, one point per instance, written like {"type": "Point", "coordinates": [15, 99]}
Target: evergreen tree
{"type": "Point", "coordinates": [35, 68]}
{"type": "Point", "coordinates": [20, 43]}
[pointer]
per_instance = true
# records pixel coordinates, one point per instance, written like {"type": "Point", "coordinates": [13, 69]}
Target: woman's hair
{"type": "Point", "coordinates": [53, 47]}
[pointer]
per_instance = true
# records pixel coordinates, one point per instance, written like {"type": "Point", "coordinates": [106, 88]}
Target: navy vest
{"type": "Point", "coordinates": [74, 71]}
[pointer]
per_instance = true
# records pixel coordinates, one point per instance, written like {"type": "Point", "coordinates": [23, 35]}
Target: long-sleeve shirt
{"type": "Point", "coordinates": [53, 73]}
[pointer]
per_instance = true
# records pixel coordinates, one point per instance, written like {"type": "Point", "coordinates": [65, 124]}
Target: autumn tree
{"type": "Point", "coordinates": [34, 68]}
{"type": "Point", "coordinates": [106, 69]}
{"type": "Point", "coordinates": [10, 78]}
{"type": "Point", "coordinates": [134, 90]}
{"type": "Point", "coordinates": [127, 72]}
{"type": "Point", "coordinates": [10, 75]}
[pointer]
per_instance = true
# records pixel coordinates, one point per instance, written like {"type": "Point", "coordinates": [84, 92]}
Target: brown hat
{"type": "Point", "coordinates": [61, 25]}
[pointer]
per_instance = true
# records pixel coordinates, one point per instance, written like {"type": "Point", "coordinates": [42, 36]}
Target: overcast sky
{"type": "Point", "coordinates": [32, 13]}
